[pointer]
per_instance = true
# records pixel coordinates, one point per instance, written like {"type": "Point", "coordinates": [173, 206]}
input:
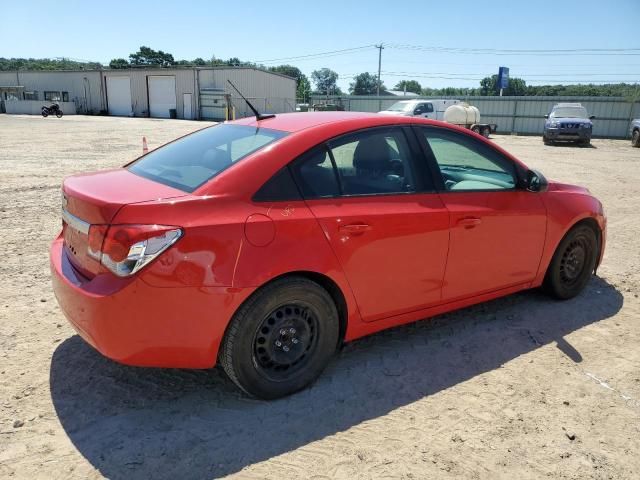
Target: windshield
{"type": "Point", "coordinates": [400, 107]}
{"type": "Point", "coordinates": [195, 159]}
{"type": "Point", "coordinates": [569, 112]}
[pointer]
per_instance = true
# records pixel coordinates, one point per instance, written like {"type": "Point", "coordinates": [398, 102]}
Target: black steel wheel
{"type": "Point", "coordinates": [486, 131]}
{"type": "Point", "coordinates": [285, 340]}
{"type": "Point", "coordinates": [573, 263]}
{"type": "Point", "coordinates": [281, 338]}
{"type": "Point", "coordinates": [635, 138]}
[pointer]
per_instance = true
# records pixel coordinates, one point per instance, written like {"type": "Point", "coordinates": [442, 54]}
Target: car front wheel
{"type": "Point", "coordinates": [635, 138]}
{"type": "Point", "coordinates": [573, 263]}
{"type": "Point", "coordinates": [281, 339]}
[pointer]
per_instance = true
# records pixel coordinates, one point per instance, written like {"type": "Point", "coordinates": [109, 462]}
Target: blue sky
{"type": "Point", "coordinates": [266, 30]}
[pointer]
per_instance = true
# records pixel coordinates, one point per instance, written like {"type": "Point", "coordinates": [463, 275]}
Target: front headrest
{"type": "Point", "coordinates": [372, 153]}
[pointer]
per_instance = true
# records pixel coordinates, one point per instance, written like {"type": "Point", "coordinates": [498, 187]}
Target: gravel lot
{"type": "Point", "coordinates": [522, 387]}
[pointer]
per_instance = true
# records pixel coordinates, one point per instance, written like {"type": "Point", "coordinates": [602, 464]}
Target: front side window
{"type": "Point", "coordinates": [428, 107]}
{"type": "Point", "coordinates": [466, 164]}
{"type": "Point", "coordinates": [191, 161]}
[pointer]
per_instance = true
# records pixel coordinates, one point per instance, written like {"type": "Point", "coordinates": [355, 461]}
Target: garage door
{"type": "Point", "coordinates": [119, 96]}
{"type": "Point", "coordinates": [162, 95]}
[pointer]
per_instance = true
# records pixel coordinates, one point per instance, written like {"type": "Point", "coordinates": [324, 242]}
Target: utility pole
{"type": "Point", "coordinates": [379, 47]}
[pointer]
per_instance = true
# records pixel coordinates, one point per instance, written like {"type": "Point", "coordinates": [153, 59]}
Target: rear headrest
{"type": "Point", "coordinates": [372, 153]}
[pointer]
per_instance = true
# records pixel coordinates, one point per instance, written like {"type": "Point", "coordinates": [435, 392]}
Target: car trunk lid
{"type": "Point", "coordinates": [94, 199]}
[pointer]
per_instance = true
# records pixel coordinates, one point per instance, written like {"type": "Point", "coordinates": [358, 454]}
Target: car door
{"type": "Point", "coordinates": [497, 229]}
{"type": "Point", "coordinates": [382, 217]}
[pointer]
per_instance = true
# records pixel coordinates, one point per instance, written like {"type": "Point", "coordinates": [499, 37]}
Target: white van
{"type": "Point", "coordinates": [433, 109]}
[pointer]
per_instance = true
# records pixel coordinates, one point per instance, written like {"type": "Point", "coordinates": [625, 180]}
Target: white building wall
{"type": "Point", "coordinates": [269, 92]}
{"type": "Point", "coordinates": [185, 83]}
{"type": "Point", "coordinates": [83, 87]}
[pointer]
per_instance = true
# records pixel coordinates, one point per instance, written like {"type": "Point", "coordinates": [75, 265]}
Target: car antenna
{"type": "Point", "coordinates": [259, 116]}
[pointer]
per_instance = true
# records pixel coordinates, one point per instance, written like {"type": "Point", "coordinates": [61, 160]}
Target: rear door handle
{"type": "Point", "coordinates": [469, 222]}
{"type": "Point", "coordinates": [355, 228]}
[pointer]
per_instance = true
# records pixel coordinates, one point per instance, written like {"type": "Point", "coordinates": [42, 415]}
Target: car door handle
{"type": "Point", "coordinates": [355, 228]}
{"type": "Point", "coordinates": [469, 222]}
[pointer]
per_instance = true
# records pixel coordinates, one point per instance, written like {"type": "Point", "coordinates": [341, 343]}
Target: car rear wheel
{"type": "Point", "coordinates": [573, 263]}
{"type": "Point", "coordinates": [281, 339]}
{"type": "Point", "coordinates": [635, 138]}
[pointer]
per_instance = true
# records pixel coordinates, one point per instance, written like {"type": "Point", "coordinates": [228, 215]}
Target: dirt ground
{"type": "Point", "coordinates": [522, 387]}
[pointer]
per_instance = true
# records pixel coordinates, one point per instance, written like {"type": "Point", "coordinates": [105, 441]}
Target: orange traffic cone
{"type": "Point", "coordinates": [145, 148]}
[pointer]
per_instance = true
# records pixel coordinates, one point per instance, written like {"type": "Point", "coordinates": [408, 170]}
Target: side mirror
{"type": "Point", "coordinates": [535, 181]}
{"type": "Point", "coordinates": [592, 117]}
{"type": "Point", "coordinates": [546, 116]}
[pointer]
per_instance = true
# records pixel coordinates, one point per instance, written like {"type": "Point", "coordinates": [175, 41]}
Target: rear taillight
{"type": "Point", "coordinates": [125, 249]}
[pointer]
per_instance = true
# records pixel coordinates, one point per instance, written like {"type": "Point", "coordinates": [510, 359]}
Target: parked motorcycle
{"type": "Point", "coordinates": [53, 109]}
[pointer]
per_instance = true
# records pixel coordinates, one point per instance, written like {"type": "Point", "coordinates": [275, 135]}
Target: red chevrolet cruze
{"type": "Point", "coordinates": [264, 244]}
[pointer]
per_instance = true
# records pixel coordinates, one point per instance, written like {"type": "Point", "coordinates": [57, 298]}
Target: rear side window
{"type": "Point", "coordinates": [315, 174]}
{"type": "Point", "coordinates": [195, 159]}
{"type": "Point", "coordinates": [372, 162]}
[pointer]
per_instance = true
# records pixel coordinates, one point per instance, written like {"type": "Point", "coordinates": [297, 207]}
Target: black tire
{"type": "Point", "coordinates": [475, 129]}
{"type": "Point", "coordinates": [546, 141]}
{"type": "Point", "coordinates": [59, 113]}
{"type": "Point", "coordinates": [485, 132]}
{"type": "Point", "coordinates": [635, 138]}
{"type": "Point", "coordinates": [281, 339]}
{"type": "Point", "coordinates": [45, 113]}
{"type": "Point", "coordinates": [573, 263]}
{"type": "Point", "coordinates": [585, 143]}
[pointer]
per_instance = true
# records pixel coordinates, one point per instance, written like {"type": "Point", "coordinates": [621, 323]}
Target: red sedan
{"type": "Point", "coordinates": [265, 244]}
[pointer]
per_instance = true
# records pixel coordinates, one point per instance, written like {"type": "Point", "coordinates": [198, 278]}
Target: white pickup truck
{"type": "Point", "coordinates": [441, 109]}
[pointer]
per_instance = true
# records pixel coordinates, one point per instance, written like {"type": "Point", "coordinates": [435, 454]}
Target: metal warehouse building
{"type": "Point", "coordinates": [188, 93]}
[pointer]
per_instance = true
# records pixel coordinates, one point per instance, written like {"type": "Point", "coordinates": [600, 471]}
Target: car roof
{"type": "Point", "coordinates": [295, 122]}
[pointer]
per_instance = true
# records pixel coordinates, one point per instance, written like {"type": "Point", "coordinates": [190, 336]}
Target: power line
{"type": "Point", "coordinates": [495, 51]}
{"type": "Point", "coordinates": [316, 55]}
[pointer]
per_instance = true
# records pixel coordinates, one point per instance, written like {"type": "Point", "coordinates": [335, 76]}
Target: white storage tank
{"type": "Point", "coordinates": [462, 114]}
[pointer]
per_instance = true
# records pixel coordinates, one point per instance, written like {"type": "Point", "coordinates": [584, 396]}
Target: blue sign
{"type": "Point", "coordinates": [503, 77]}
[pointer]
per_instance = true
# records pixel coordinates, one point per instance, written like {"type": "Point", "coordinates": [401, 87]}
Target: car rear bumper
{"type": "Point", "coordinates": [134, 323]}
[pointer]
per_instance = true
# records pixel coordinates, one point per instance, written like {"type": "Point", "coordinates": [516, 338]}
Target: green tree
{"type": "Point", "coordinates": [119, 63]}
{"type": "Point", "coordinates": [303, 86]}
{"type": "Point", "coordinates": [199, 62]}
{"type": "Point", "coordinates": [410, 85]}
{"type": "Point", "coordinates": [365, 84]}
{"type": "Point", "coordinates": [489, 86]}
{"type": "Point", "coordinates": [326, 81]}
{"type": "Point", "coordinates": [303, 90]}
{"type": "Point", "coordinates": [148, 57]}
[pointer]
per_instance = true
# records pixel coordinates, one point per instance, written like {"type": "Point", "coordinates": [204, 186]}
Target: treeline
{"type": "Point", "coordinates": [46, 64]}
{"type": "Point", "coordinates": [325, 79]}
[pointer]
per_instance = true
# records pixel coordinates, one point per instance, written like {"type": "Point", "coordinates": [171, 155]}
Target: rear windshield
{"type": "Point", "coordinates": [195, 159]}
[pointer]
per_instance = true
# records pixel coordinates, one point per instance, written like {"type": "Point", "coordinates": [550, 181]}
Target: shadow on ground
{"type": "Point", "coordinates": [150, 423]}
